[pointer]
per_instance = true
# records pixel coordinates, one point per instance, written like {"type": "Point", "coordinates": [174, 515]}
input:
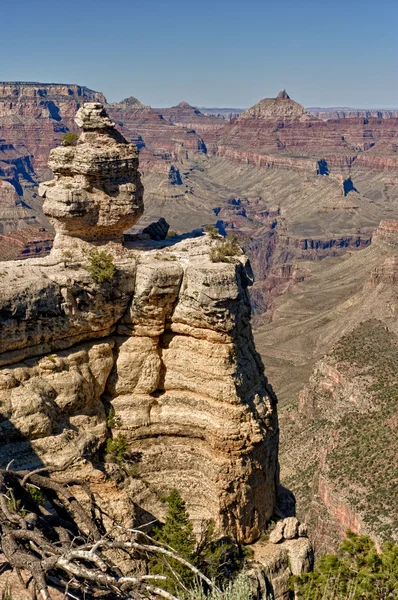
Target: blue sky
{"type": "Point", "coordinates": [208, 52]}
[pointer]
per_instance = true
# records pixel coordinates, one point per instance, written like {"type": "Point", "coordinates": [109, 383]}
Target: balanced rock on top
{"type": "Point", "coordinates": [96, 193]}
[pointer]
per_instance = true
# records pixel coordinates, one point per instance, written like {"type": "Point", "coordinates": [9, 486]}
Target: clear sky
{"type": "Point", "coordinates": [208, 52]}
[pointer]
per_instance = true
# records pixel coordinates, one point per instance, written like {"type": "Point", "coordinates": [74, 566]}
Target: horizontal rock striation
{"type": "Point", "coordinates": [165, 342]}
{"type": "Point", "coordinates": [387, 234]}
{"type": "Point", "coordinates": [278, 132]}
{"type": "Point", "coordinates": [34, 115]}
{"type": "Point", "coordinates": [97, 191]}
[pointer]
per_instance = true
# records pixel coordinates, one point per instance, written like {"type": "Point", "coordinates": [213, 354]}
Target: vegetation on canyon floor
{"type": "Point", "coordinates": [359, 467]}
{"type": "Point", "coordinates": [367, 460]}
{"type": "Point", "coordinates": [357, 572]}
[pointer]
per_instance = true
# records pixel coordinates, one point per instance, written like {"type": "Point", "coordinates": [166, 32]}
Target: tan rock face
{"type": "Point", "coordinates": [97, 191]}
{"type": "Point", "coordinates": [179, 369]}
{"type": "Point", "coordinates": [50, 408]}
{"type": "Point", "coordinates": [167, 344]}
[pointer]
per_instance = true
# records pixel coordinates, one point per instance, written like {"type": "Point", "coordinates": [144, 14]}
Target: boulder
{"type": "Point", "coordinates": [291, 528]}
{"type": "Point", "coordinates": [276, 534]}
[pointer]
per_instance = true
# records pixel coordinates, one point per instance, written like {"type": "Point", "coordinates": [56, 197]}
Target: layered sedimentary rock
{"type": "Point", "coordinates": [97, 192]}
{"type": "Point", "coordinates": [34, 115]}
{"type": "Point", "coordinates": [190, 117]}
{"type": "Point", "coordinates": [278, 132]}
{"type": "Point", "coordinates": [165, 341]}
{"type": "Point", "coordinates": [352, 391]}
{"type": "Point", "coordinates": [28, 242]}
{"type": "Point", "coordinates": [338, 442]}
{"type": "Point", "coordinates": [352, 113]}
{"type": "Point", "coordinates": [159, 135]}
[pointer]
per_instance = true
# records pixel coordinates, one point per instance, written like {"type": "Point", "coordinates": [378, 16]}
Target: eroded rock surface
{"type": "Point", "coordinates": [165, 342]}
{"type": "Point", "coordinates": [97, 191]}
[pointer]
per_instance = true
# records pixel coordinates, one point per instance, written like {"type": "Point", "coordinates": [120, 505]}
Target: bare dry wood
{"type": "Point", "coordinates": [65, 545]}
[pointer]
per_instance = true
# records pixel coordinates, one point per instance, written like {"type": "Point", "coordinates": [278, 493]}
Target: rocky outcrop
{"type": "Point", "coordinates": [97, 191]}
{"type": "Point", "coordinates": [29, 242]}
{"type": "Point", "coordinates": [387, 234]}
{"type": "Point", "coordinates": [190, 117]}
{"type": "Point", "coordinates": [288, 552]}
{"type": "Point", "coordinates": [157, 231]}
{"type": "Point", "coordinates": [279, 108]}
{"type": "Point", "coordinates": [278, 132]}
{"type": "Point", "coordinates": [164, 339]}
{"type": "Point", "coordinates": [348, 407]}
{"type": "Point", "coordinates": [35, 115]}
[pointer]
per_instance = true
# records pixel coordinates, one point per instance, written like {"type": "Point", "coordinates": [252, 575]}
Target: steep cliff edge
{"type": "Point", "coordinates": [337, 442]}
{"type": "Point", "coordinates": [349, 407]}
{"type": "Point", "coordinates": [164, 338]}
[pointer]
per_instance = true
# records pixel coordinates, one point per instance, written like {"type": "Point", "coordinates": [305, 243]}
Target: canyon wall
{"type": "Point", "coordinates": [163, 339]}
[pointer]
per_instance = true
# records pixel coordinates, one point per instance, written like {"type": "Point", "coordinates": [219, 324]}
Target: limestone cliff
{"type": "Point", "coordinates": [165, 341]}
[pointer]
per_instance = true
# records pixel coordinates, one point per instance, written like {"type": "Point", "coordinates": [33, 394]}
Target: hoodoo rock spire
{"type": "Point", "coordinates": [97, 192]}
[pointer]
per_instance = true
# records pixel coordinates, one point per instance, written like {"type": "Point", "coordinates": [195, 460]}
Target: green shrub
{"type": "Point", "coordinates": [37, 495]}
{"type": "Point", "coordinates": [177, 533]}
{"type": "Point", "coordinates": [226, 250]}
{"type": "Point", "coordinates": [117, 448]}
{"type": "Point", "coordinates": [212, 231]}
{"type": "Point", "coordinates": [357, 572]}
{"type": "Point", "coordinates": [69, 139]}
{"type": "Point", "coordinates": [240, 588]}
{"type": "Point", "coordinates": [219, 559]}
{"type": "Point", "coordinates": [171, 233]}
{"type": "Point", "coordinates": [101, 266]}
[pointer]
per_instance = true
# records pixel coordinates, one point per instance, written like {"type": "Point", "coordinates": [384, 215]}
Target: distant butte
{"type": "Point", "coordinates": [281, 107]}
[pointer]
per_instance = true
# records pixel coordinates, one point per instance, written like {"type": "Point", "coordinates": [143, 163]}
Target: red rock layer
{"type": "Point", "coordinates": [190, 117]}
{"type": "Point", "coordinates": [27, 243]}
{"type": "Point", "coordinates": [278, 132]}
{"type": "Point", "coordinates": [33, 116]}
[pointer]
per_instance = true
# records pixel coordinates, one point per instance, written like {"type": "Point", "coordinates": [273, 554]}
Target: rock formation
{"type": "Point", "coordinates": [288, 552]}
{"type": "Point", "coordinates": [278, 132]}
{"type": "Point", "coordinates": [352, 113]}
{"type": "Point", "coordinates": [279, 108]}
{"type": "Point", "coordinates": [35, 115]}
{"type": "Point", "coordinates": [97, 191]}
{"type": "Point", "coordinates": [164, 339]}
{"type": "Point", "coordinates": [337, 416]}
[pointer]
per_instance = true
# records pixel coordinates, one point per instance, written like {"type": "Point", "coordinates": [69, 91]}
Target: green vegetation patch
{"type": "Point", "coordinates": [226, 250]}
{"type": "Point", "coordinates": [69, 139]}
{"type": "Point", "coordinates": [363, 460]}
{"type": "Point", "coordinates": [356, 572]}
{"type": "Point", "coordinates": [101, 266]}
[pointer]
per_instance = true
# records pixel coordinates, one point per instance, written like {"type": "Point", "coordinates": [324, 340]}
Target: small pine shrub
{"type": "Point", "coordinates": [101, 266]}
{"type": "Point", "coordinates": [177, 533]}
{"type": "Point", "coordinates": [69, 139]}
{"type": "Point", "coordinates": [112, 420]}
{"type": "Point", "coordinates": [357, 572]}
{"type": "Point", "coordinates": [117, 448]}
